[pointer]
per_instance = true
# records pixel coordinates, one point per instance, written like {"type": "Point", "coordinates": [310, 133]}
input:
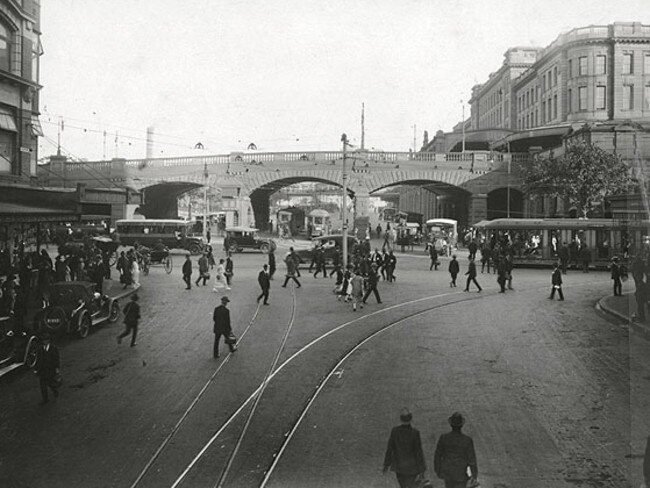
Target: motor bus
{"type": "Point", "coordinates": [175, 234]}
{"type": "Point", "coordinates": [536, 241]}
{"type": "Point", "coordinates": [318, 220]}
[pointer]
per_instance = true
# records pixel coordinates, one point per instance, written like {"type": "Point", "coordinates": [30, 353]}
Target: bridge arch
{"type": "Point", "coordinates": [161, 199]}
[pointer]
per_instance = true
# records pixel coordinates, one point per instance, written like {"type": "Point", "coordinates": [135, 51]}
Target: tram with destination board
{"type": "Point", "coordinates": [537, 242]}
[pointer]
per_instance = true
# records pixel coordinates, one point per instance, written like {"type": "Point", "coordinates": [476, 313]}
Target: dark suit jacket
{"type": "Point", "coordinates": [187, 268]}
{"type": "Point", "coordinates": [646, 462]}
{"type": "Point", "coordinates": [47, 362]}
{"type": "Point", "coordinates": [221, 319]}
{"type": "Point", "coordinates": [263, 280]}
{"type": "Point", "coordinates": [404, 453]}
{"type": "Point", "coordinates": [454, 454]}
{"type": "Point", "coordinates": [556, 277]}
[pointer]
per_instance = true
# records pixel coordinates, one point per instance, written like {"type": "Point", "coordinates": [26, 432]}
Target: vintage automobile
{"type": "Point", "coordinates": [18, 347]}
{"type": "Point", "coordinates": [239, 238]}
{"type": "Point", "coordinates": [330, 244]}
{"type": "Point", "coordinates": [74, 306]}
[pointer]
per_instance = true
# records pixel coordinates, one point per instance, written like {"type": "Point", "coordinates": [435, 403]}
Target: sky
{"type": "Point", "coordinates": [286, 75]}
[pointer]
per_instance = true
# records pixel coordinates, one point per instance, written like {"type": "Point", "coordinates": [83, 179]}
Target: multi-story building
{"type": "Point", "coordinates": [587, 75]}
{"type": "Point", "coordinates": [20, 51]}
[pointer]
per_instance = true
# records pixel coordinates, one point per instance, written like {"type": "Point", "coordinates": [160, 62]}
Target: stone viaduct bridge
{"type": "Point", "coordinates": [470, 179]}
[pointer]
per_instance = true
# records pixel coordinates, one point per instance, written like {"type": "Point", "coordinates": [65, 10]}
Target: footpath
{"type": "Point", "coordinates": [624, 308]}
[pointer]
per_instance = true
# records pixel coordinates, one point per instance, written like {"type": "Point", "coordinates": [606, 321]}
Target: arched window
{"type": "Point", "coordinates": [5, 47]}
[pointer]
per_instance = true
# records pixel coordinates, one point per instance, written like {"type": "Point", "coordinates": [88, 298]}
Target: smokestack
{"type": "Point", "coordinates": [149, 142]}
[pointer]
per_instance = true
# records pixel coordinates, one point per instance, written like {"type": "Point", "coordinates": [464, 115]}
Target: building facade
{"type": "Point", "coordinates": [20, 51]}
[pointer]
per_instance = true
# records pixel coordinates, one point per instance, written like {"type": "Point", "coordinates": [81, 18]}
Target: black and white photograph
{"type": "Point", "coordinates": [324, 244]}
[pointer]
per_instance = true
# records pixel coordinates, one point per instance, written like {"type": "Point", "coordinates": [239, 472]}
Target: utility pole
{"type": "Point", "coordinates": [344, 210]}
{"type": "Point", "coordinates": [363, 128]}
{"type": "Point", "coordinates": [199, 145]}
{"type": "Point", "coordinates": [58, 143]}
{"type": "Point", "coordinates": [509, 161]}
{"type": "Point", "coordinates": [415, 128]}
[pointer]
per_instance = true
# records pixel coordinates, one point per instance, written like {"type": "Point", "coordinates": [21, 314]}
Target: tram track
{"type": "Point", "coordinates": [257, 395]}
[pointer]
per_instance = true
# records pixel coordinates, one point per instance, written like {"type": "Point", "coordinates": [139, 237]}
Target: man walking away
{"type": "Point", "coordinates": [486, 256]}
{"type": "Point", "coordinates": [502, 272]}
{"type": "Point", "coordinates": [187, 272]}
{"type": "Point", "coordinates": [131, 318]}
{"type": "Point", "coordinates": [204, 270]}
{"type": "Point", "coordinates": [47, 368]}
{"type": "Point", "coordinates": [454, 269]}
{"type": "Point", "coordinates": [471, 276]}
{"type": "Point", "coordinates": [373, 280]}
{"type": "Point", "coordinates": [433, 255]}
{"type": "Point", "coordinates": [616, 276]}
{"type": "Point", "coordinates": [404, 454]}
{"type": "Point", "coordinates": [221, 318]}
{"type": "Point", "coordinates": [472, 247]}
{"type": "Point", "coordinates": [292, 268]}
{"type": "Point", "coordinates": [509, 266]}
{"type": "Point", "coordinates": [265, 283]}
{"type": "Point", "coordinates": [230, 266]}
{"type": "Point", "coordinates": [556, 282]}
{"type": "Point", "coordinates": [391, 263]}
{"type": "Point", "coordinates": [454, 454]}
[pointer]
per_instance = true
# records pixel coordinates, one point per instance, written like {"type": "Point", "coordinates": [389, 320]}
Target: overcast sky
{"type": "Point", "coordinates": [288, 75]}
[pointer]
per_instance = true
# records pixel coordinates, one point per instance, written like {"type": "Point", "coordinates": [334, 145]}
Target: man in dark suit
{"type": "Point", "coordinates": [454, 454]}
{"type": "Point", "coordinates": [404, 453]}
{"type": "Point", "coordinates": [47, 367]}
{"type": "Point", "coordinates": [187, 272]}
{"type": "Point", "coordinates": [373, 280]}
{"type": "Point", "coordinates": [222, 327]}
{"type": "Point", "coordinates": [556, 283]}
{"type": "Point", "coordinates": [646, 463]}
{"type": "Point", "coordinates": [265, 283]}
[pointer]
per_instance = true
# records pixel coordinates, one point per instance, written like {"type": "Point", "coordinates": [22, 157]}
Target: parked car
{"type": "Point", "coordinates": [239, 238]}
{"type": "Point", "coordinates": [17, 346]}
{"type": "Point", "coordinates": [75, 306]}
{"type": "Point", "coordinates": [330, 244]}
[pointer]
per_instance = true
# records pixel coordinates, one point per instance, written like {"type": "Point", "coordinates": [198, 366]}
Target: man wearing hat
{"type": "Point", "coordinates": [131, 318]}
{"type": "Point", "coordinates": [373, 280]}
{"type": "Point", "coordinates": [454, 454]}
{"type": "Point", "coordinates": [47, 367]}
{"type": "Point", "coordinates": [222, 327]}
{"type": "Point", "coordinates": [404, 453]}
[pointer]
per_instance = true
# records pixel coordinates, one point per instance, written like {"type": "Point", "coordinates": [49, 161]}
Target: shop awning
{"type": "Point", "coordinates": [37, 130]}
{"type": "Point", "coordinates": [17, 213]}
{"type": "Point", "coordinates": [7, 120]}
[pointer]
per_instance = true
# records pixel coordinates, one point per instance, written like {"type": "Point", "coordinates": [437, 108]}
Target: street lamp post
{"type": "Point", "coordinates": [508, 195]}
{"type": "Point", "coordinates": [199, 145]}
{"type": "Point", "coordinates": [344, 213]}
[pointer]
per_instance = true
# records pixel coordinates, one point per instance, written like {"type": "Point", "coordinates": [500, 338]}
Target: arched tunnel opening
{"type": "Point", "coordinates": [161, 200]}
{"type": "Point", "coordinates": [261, 197]}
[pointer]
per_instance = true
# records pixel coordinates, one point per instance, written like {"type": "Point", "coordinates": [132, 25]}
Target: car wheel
{"type": "Point", "coordinates": [194, 249]}
{"type": "Point", "coordinates": [114, 312]}
{"type": "Point", "coordinates": [54, 319]}
{"type": "Point", "coordinates": [84, 325]}
{"type": "Point", "coordinates": [167, 263]}
{"type": "Point", "coordinates": [31, 352]}
{"type": "Point", "coordinates": [264, 248]}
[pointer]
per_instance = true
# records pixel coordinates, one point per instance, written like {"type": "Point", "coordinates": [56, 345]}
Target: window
{"type": "Point", "coordinates": [582, 98]}
{"type": "Point", "coordinates": [628, 64]}
{"type": "Point", "coordinates": [543, 112]}
{"type": "Point", "coordinates": [628, 97]}
{"type": "Point", "coordinates": [570, 68]}
{"type": "Point", "coordinates": [646, 97]}
{"type": "Point", "coordinates": [582, 65]}
{"type": "Point", "coordinates": [536, 117]}
{"type": "Point", "coordinates": [555, 106]}
{"type": "Point", "coordinates": [555, 76]}
{"type": "Point", "coordinates": [569, 94]}
{"type": "Point", "coordinates": [600, 97]}
{"type": "Point", "coordinates": [646, 63]}
{"type": "Point", "coordinates": [544, 83]}
{"type": "Point", "coordinates": [5, 47]}
{"type": "Point", "coordinates": [601, 64]}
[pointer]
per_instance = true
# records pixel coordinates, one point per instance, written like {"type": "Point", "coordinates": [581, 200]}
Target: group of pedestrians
{"type": "Point", "coordinates": [224, 272]}
{"type": "Point", "coordinates": [454, 455]}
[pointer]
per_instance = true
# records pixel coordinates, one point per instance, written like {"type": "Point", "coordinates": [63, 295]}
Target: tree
{"type": "Point", "coordinates": [585, 174]}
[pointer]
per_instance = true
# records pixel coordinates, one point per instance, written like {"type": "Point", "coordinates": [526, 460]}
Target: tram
{"type": "Point", "coordinates": [536, 241]}
{"type": "Point", "coordinates": [291, 221]}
